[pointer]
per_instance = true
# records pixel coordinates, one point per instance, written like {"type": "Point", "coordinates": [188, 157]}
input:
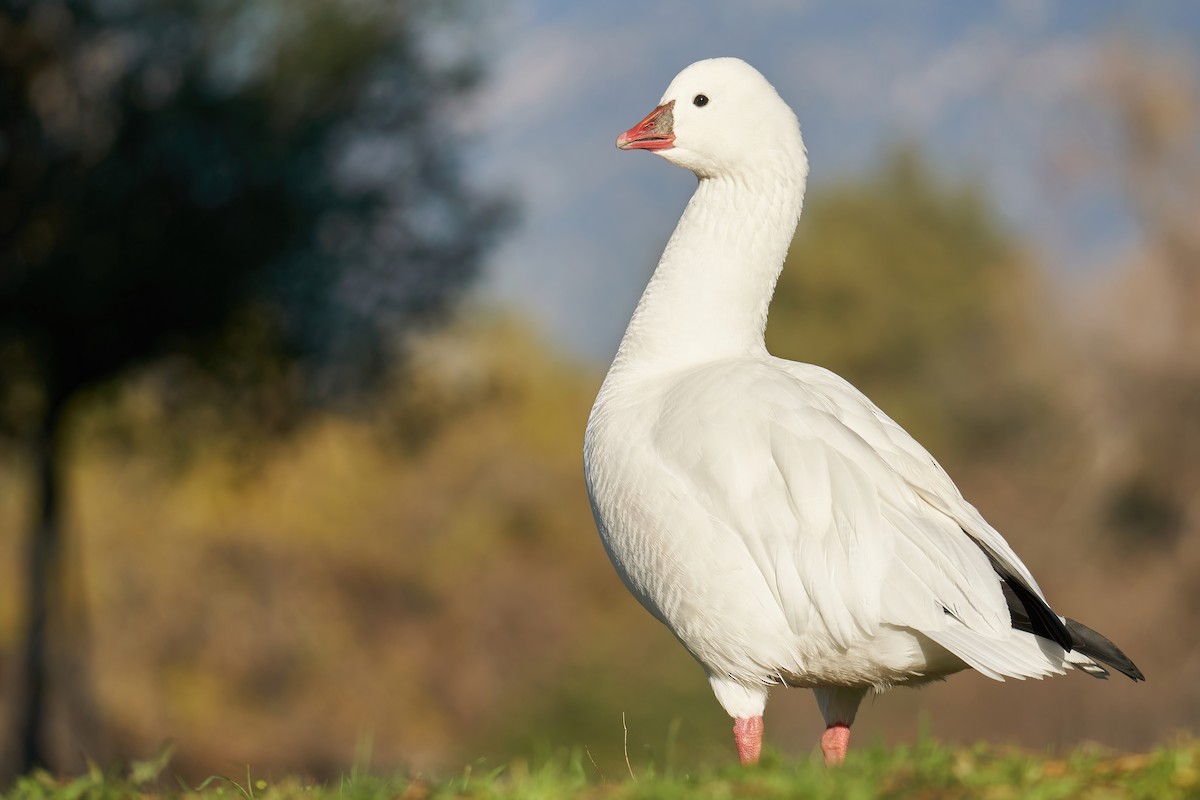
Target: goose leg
{"type": "Point", "coordinates": [834, 743]}
{"type": "Point", "coordinates": [747, 734]}
{"type": "Point", "coordinates": [839, 706]}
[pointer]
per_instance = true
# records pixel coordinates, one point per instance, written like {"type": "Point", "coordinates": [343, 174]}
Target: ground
{"type": "Point", "coordinates": [928, 770]}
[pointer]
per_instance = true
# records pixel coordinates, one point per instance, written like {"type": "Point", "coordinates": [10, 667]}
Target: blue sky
{"type": "Point", "coordinates": [993, 90]}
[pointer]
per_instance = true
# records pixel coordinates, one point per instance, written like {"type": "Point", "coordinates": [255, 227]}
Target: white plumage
{"type": "Point", "coordinates": [783, 527]}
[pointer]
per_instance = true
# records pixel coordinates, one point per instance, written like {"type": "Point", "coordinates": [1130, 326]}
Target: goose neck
{"type": "Point", "coordinates": [709, 295]}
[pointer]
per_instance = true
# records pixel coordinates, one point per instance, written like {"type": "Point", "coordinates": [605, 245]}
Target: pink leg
{"type": "Point", "coordinates": [747, 733]}
{"type": "Point", "coordinates": [834, 742]}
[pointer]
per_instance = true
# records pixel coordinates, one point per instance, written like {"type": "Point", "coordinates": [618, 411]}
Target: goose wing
{"type": "Point", "coordinates": [832, 501]}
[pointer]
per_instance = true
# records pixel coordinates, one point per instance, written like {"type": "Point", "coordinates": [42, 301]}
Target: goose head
{"type": "Point", "coordinates": [721, 116]}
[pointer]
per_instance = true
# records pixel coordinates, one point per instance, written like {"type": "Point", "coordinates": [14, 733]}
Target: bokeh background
{"type": "Point", "coordinates": [303, 305]}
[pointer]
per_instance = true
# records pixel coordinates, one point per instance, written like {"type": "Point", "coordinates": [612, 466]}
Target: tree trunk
{"type": "Point", "coordinates": [44, 573]}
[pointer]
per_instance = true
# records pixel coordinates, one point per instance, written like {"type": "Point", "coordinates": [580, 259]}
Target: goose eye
{"type": "Point", "coordinates": [700, 100]}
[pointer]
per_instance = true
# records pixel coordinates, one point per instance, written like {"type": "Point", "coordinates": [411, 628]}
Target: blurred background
{"type": "Point", "coordinates": [303, 305]}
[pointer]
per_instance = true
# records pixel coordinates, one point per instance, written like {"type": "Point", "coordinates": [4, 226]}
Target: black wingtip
{"type": "Point", "coordinates": [1096, 645]}
{"type": "Point", "coordinates": [1030, 612]}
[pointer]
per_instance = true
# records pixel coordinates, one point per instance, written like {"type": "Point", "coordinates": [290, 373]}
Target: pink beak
{"type": "Point", "coordinates": [655, 132]}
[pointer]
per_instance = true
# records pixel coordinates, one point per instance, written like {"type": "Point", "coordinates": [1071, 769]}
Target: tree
{"type": "Point", "coordinates": [1146, 367]}
{"type": "Point", "coordinates": [263, 195]}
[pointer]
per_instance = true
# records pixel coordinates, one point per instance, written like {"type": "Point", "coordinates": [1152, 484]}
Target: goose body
{"type": "Point", "coordinates": [784, 528]}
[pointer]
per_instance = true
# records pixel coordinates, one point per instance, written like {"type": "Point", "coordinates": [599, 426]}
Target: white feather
{"type": "Point", "coordinates": [781, 525]}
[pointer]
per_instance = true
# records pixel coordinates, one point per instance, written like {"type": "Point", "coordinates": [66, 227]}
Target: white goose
{"type": "Point", "coordinates": [782, 526]}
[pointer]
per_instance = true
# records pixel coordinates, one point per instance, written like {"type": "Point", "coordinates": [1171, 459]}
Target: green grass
{"type": "Point", "coordinates": [928, 771]}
